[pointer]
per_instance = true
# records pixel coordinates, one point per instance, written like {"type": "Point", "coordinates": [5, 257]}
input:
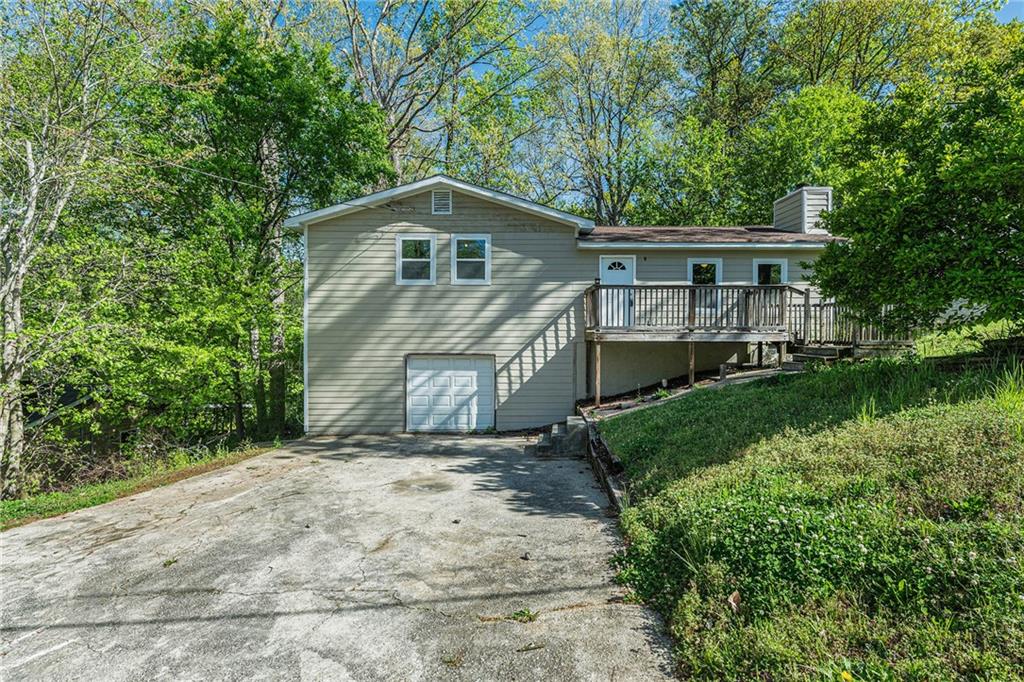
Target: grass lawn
{"type": "Point", "coordinates": [864, 521]}
{"type": "Point", "coordinates": [17, 512]}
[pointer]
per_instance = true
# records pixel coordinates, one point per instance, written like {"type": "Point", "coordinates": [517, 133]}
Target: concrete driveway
{"type": "Point", "coordinates": [361, 558]}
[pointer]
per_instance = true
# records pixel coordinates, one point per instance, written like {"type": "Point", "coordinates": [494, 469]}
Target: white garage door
{"type": "Point", "coordinates": [449, 393]}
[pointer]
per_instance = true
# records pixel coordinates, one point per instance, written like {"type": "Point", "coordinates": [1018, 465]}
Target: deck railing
{"type": "Point", "coordinates": [730, 307]}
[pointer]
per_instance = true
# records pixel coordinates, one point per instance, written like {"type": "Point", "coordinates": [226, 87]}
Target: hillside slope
{"type": "Point", "coordinates": [866, 519]}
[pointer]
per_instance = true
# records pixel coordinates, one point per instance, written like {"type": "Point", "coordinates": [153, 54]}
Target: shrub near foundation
{"type": "Point", "coordinates": [879, 546]}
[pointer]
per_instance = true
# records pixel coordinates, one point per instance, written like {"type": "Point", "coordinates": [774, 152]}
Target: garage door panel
{"type": "Point", "coordinates": [449, 393]}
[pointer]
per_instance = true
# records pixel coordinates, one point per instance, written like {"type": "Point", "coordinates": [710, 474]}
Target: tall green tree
{"type": "Point", "coordinates": [269, 127]}
{"type": "Point", "coordinates": [605, 93]}
{"type": "Point", "coordinates": [870, 46]}
{"type": "Point", "coordinates": [802, 139]}
{"type": "Point", "coordinates": [415, 60]}
{"type": "Point", "coordinates": [726, 50]}
{"type": "Point", "coordinates": [935, 201]}
{"type": "Point", "coordinates": [66, 73]}
{"type": "Point", "coordinates": [692, 179]}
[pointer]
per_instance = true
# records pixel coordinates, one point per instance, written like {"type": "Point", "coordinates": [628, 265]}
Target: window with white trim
{"type": "Point", "coordinates": [415, 259]}
{"type": "Point", "coordinates": [441, 202]}
{"type": "Point", "coordinates": [704, 271]}
{"type": "Point", "coordinates": [771, 271]}
{"type": "Point", "coordinates": [471, 259]}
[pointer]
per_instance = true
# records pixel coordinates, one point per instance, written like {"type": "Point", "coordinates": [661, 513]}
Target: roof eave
{"type": "Point", "coordinates": [303, 220]}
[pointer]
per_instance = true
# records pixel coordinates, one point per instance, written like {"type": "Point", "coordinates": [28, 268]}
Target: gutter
{"type": "Point", "coordinates": [696, 246]}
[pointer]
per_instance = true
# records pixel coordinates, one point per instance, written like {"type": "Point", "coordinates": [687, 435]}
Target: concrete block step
{"type": "Point", "coordinates": [805, 357]}
{"type": "Point", "coordinates": [790, 366]}
{"type": "Point", "coordinates": [824, 351]}
{"type": "Point", "coordinates": [562, 439]}
{"type": "Point", "coordinates": [544, 446]}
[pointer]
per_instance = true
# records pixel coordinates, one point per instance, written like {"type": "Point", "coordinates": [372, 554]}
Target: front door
{"type": "Point", "coordinates": [616, 304]}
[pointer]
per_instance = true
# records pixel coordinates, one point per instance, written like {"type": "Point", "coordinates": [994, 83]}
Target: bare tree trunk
{"type": "Point", "coordinates": [239, 406]}
{"type": "Point", "coordinates": [12, 428]}
{"type": "Point", "coordinates": [278, 367]}
{"type": "Point", "coordinates": [260, 388]}
{"type": "Point", "coordinates": [275, 256]}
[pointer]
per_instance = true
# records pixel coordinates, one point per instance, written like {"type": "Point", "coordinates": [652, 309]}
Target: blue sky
{"type": "Point", "coordinates": [1014, 9]}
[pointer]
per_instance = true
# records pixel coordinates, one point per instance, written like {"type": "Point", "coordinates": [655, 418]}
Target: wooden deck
{"type": "Point", "coordinates": [776, 314]}
{"type": "Point", "coordinates": [721, 313]}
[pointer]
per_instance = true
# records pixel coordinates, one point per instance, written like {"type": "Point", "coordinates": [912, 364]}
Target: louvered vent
{"type": "Point", "coordinates": [441, 202]}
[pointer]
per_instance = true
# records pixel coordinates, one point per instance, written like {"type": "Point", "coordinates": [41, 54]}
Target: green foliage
{"type": "Point", "coordinates": [964, 341]}
{"type": "Point", "coordinates": [884, 541]}
{"type": "Point", "coordinates": [932, 206]}
{"type": "Point", "coordinates": [140, 474]}
{"type": "Point", "coordinates": [171, 293]}
{"type": "Point", "coordinates": [524, 616]}
{"type": "Point", "coordinates": [691, 178]}
{"type": "Point", "coordinates": [801, 140]}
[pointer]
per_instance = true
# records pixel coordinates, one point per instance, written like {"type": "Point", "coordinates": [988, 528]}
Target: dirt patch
{"type": "Point", "coordinates": [431, 483]}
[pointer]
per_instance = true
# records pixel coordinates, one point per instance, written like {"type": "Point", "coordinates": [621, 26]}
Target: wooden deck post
{"type": "Point", "coordinates": [691, 314]}
{"type": "Point", "coordinates": [597, 374]}
{"type": "Point", "coordinates": [807, 315]}
{"type": "Point", "coordinates": [760, 353]}
{"type": "Point", "coordinates": [693, 363]}
{"type": "Point", "coordinates": [782, 354]}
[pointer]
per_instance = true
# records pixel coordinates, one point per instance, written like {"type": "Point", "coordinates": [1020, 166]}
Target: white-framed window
{"type": "Point", "coordinates": [771, 271]}
{"type": "Point", "coordinates": [704, 271]}
{"type": "Point", "coordinates": [471, 259]}
{"type": "Point", "coordinates": [441, 202]}
{"type": "Point", "coordinates": [416, 259]}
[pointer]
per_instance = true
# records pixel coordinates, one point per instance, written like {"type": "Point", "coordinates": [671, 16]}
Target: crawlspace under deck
{"type": "Point", "coordinates": [688, 338]}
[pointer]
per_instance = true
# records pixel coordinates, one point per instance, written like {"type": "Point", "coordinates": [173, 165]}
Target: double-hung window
{"type": "Point", "coordinates": [471, 259]}
{"type": "Point", "coordinates": [415, 259]}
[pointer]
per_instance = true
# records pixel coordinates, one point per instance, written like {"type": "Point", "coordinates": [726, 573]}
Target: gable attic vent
{"type": "Point", "coordinates": [441, 202]}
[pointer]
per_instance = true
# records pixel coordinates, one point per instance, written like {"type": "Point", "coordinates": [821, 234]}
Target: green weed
{"type": "Point", "coordinates": [866, 517]}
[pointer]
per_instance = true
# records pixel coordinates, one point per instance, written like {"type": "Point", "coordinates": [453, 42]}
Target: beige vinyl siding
{"type": "Point", "coordinates": [817, 201]}
{"type": "Point", "coordinates": [653, 267]}
{"type": "Point", "coordinates": [789, 213]}
{"type": "Point", "coordinates": [361, 326]}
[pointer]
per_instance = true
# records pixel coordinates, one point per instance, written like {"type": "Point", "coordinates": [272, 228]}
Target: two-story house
{"type": "Point", "coordinates": [443, 306]}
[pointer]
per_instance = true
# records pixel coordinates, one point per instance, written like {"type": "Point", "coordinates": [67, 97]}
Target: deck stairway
{"type": "Point", "coordinates": [565, 439]}
{"type": "Point", "coordinates": [801, 356]}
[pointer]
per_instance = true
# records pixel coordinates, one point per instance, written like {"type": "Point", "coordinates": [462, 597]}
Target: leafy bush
{"type": "Point", "coordinates": [878, 540]}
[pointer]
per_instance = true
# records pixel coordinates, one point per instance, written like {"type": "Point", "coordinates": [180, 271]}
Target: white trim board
{"type": "Point", "coordinates": [305, 330]}
{"type": "Point", "coordinates": [410, 236]}
{"type": "Point", "coordinates": [717, 262]}
{"type": "Point", "coordinates": [439, 182]}
{"type": "Point", "coordinates": [454, 260]}
{"type": "Point", "coordinates": [784, 262]}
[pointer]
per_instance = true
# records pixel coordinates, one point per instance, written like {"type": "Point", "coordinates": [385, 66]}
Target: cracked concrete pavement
{"type": "Point", "coordinates": [357, 558]}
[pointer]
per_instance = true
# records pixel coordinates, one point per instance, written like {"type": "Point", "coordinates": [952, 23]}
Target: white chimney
{"type": "Point", "coordinates": [798, 211]}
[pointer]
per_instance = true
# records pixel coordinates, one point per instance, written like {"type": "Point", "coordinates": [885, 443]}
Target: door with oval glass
{"type": "Point", "coordinates": [618, 273]}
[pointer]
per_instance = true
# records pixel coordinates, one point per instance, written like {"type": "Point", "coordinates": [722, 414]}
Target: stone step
{"type": "Point", "coordinates": [790, 366]}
